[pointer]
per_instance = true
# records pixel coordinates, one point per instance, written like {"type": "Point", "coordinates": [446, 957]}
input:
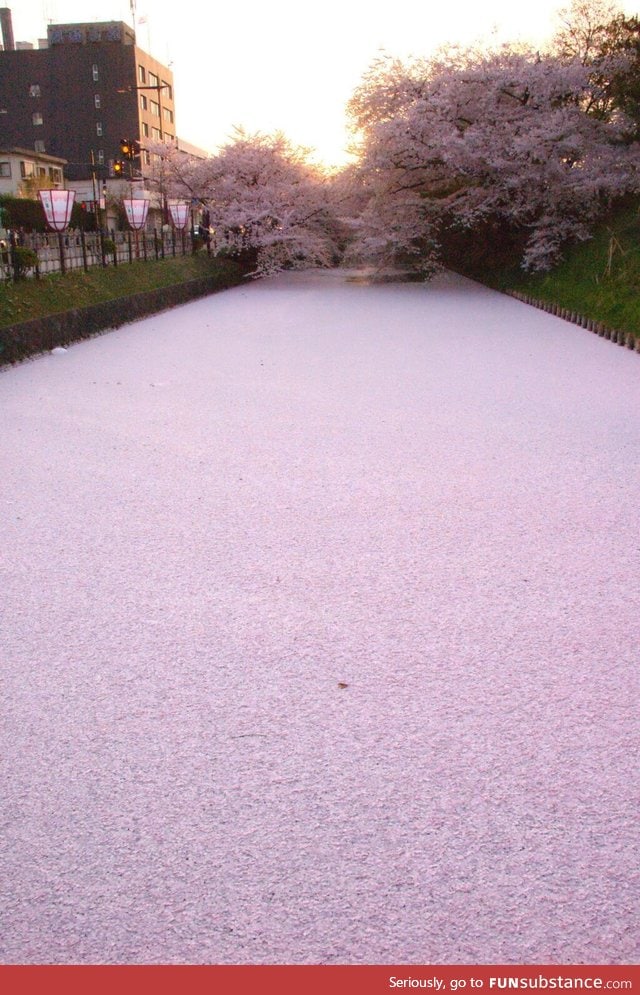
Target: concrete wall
{"type": "Point", "coordinates": [17, 342]}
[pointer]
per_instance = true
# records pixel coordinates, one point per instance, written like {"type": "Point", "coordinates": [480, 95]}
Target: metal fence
{"type": "Point", "coordinates": [77, 249]}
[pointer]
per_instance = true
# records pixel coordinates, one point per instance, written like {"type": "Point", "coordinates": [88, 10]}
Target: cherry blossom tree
{"type": "Point", "coordinates": [599, 35]}
{"type": "Point", "coordinates": [183, 176]}
{"type": "Point", "coordinates": [266, 201]}
{"type": "Point", "coordinates": [472, 136]}
{"type": "Point", "coordinates": [584, 29]}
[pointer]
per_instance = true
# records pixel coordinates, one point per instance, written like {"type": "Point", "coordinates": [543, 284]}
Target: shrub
{"type": "Point", "coordinates": [22, 259]}
{"type": "Point", "coordinates": [21, 213]}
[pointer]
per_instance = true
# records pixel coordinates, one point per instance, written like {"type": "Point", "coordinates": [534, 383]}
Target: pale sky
{"type": "Point", "coordinates": [287, 65]}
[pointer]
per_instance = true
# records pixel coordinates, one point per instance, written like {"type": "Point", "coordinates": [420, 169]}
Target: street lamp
{"type": "Point", "coordinates": [180, 217]}
{"type": "Point", "coordinates": [136, 210]}
{"type": "Point", "coordinates": [158, 87]}
{"type": "Point", "coordinates": [57, 205]}
{"type": "Point", "coordinates": [132, 150]}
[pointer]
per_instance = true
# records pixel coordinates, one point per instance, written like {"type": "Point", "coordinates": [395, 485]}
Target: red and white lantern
{"type": "Point", "coordinates": [179, 215]}
{"type": "Point", "coordinates": [136, 209]}
{"type": "Point", "coordinates": [57, 205]}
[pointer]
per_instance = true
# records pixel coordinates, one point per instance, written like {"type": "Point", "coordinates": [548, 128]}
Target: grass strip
{"type": "Point", "coordinates": [32, 298]}
{"type": "Point", "coordinates": [599, 279]}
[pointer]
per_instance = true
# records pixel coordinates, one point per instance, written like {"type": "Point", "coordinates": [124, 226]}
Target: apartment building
{"type": "Point", "coordinates": [84, 89]}
{"type": "Point", "coordinates": [24, 171]}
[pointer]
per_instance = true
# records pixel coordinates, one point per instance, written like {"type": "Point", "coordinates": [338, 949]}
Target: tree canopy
{"type": "Point", "coordinates": [536, 142]}
{"type": "Point", "coordinates": [531, 146]}
{"type": "Point", "coordinates": [264, 198]}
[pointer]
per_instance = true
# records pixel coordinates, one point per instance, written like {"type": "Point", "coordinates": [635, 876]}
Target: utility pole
{"type": "Point", "coordinates": [96, 206]}
{"type": "Point", "coordinates": [93, 187]}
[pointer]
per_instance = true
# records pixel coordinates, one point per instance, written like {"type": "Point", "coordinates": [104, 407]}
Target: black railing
{"type": "Point", "coordinates": [77, 249]}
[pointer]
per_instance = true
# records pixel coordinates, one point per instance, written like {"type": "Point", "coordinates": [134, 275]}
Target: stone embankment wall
{"type": "Point", "coordinates": [20, 341]}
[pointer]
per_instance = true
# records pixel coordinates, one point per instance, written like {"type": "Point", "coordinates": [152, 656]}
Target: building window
{"type": "Point", "coordinates": [142, 76]}
{"type": "Point", "coordinates": [143, 102]}
{"type": "Point", "coordinates": [26, 169]}
{"type": "Point", "coordinates": [99, 129]}
{"type": "Point", "coordinates": [96, 101]}
{"type": "Point", "coordinates": [155, 134]}
{"type": "Point", "coordinates": [55, 175]}
{"type": "Point", "coordinates": [5, 169]}
{"type": "Point", "coordinates": [95, 73]}
{"type": "Point", "coordinates": [145, 129]}
{"type": "Point", "coordinates": [168, 90]}
{"type": "Point", "coordinates": [155, 108]}
{"type": "Point", "coordinates": [36, 118]}
{"type": "Point", "coordinates": [168, 137]}
{"type": "Point", "coordinates": [147, 158]}
{"type": "Point", "coordinates": [34, 90]}
{"type": "Point", "coordinates": [168, 115]}
{"type": "Point", "coordinates": [153, 79]}
{"type": "Point", "coordinates": [101, 156]}
{"type": "Point", "coordinates": [39, 145]}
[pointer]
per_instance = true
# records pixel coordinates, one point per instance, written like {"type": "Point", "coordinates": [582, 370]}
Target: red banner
{"type": "Point", "coordinates": [309, 980]}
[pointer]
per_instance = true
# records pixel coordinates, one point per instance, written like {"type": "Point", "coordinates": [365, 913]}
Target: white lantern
{"type": "Point", "coordinates": [136, 211]}
{"type": "Point", "coordinates": [179, 215]}
{"type": "Point", "coordinates": [57, 205]}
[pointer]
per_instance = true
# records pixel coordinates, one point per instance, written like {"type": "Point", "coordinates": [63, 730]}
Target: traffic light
{"type": "Point", "coordinates": [129, 149]}
{"type": "Point", "coordinates": [118, 168]}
